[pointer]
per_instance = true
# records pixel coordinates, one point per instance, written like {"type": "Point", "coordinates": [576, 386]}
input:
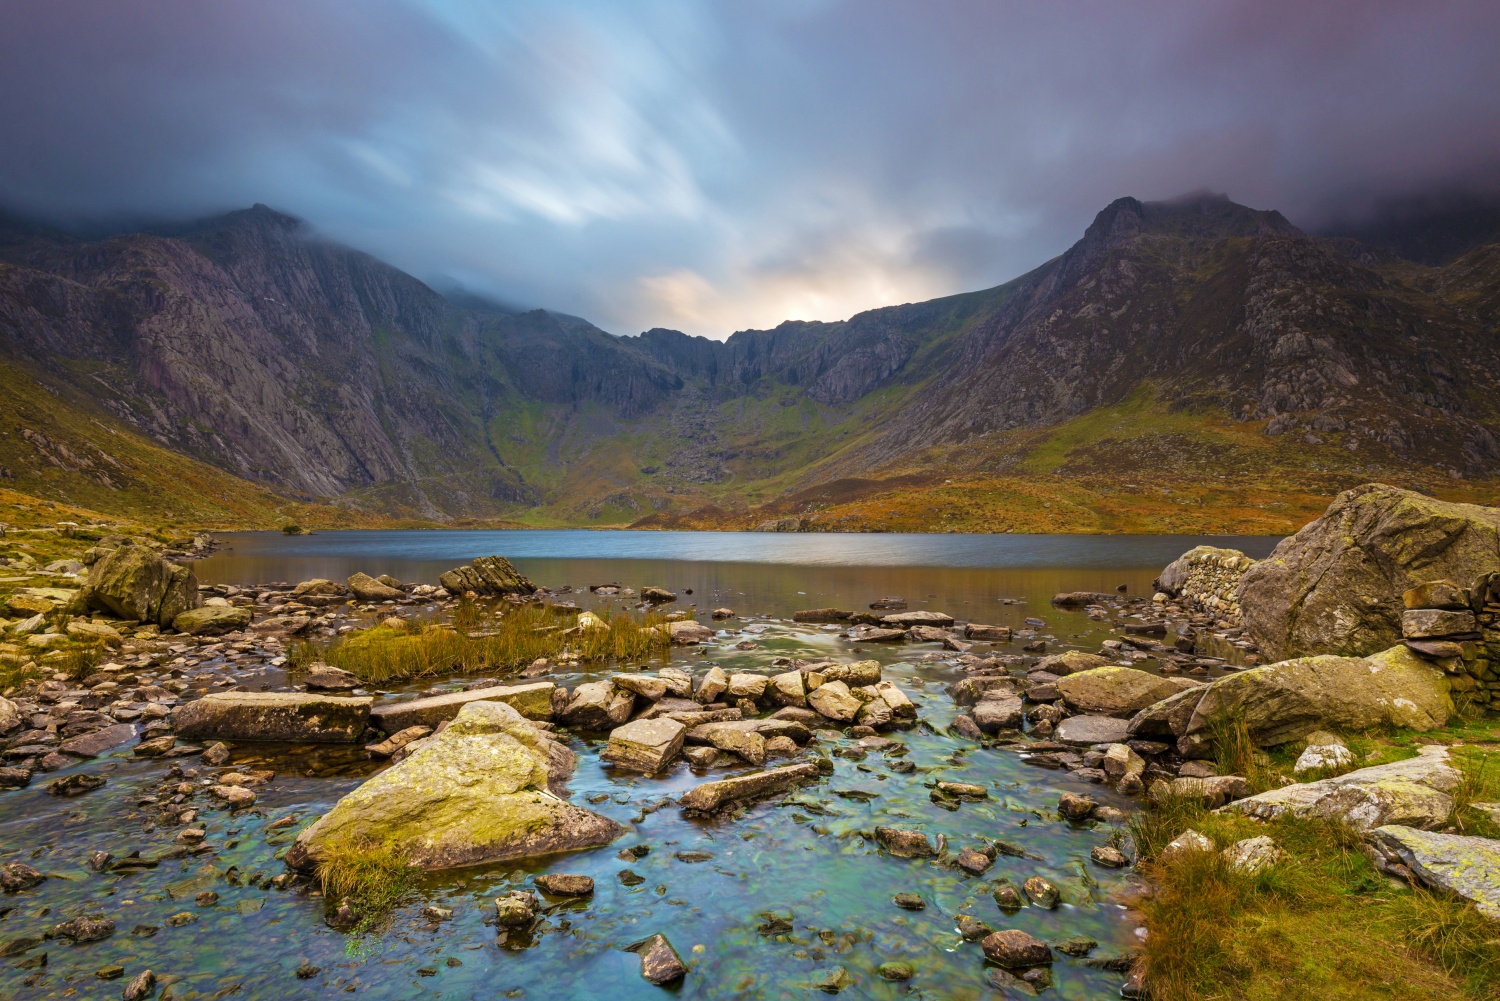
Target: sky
{"type": "Point", "coordinates": [715, 165]}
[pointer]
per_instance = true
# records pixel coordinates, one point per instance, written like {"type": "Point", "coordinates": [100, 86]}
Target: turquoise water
{"type": "Point", "coordinates": [806, 859]}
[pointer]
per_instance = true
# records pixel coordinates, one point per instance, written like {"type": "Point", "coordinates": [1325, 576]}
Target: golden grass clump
{"type": "Point", "coordinates": [477, 640]}
{"type": "Point", "coordinates": [373, 878]}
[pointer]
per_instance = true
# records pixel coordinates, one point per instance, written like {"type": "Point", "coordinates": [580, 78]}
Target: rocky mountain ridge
{"type": "Point", "coordinates": [248, 344]}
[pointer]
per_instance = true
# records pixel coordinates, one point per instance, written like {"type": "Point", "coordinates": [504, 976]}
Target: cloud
{"type": "Point", "coordinates": [719, 166]}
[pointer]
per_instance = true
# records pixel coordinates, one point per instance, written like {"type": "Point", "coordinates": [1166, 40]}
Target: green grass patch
{"type": "Point", "coordinates": [479, 638]}
{"type": "Point", "coordinates": [372, 878]}
{"type": "Point", "coordinates": [1324, 924]}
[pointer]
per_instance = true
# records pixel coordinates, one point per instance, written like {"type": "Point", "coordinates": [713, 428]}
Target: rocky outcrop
{"type": "Point", "coordinates": [489, 575]}
{"type": "Point", "coordinates": [1290, 699]}
{"type": "Point", "coordinates": [133, 582]}
{"type": "Point", "coordinates": [1416, 792]}
{"type": "Point", "coordinates": [477, 792]}
{"type": "Point", "coordinates": [278, 716]}
{"type": "Point", "coordinates": [1335, 587]}
{"type": "Point", "coordinates": [1466, 866]}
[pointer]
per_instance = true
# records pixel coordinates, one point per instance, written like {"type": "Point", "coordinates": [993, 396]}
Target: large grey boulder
{"type": "Point", "coordinates": [487, 575]}
{"type": "Point", "coordinates": [1117, 691]}
{"type": "Point", "coordinates": [132, 582]}
{"type": "Point", "coordinates": [1169, 717]}
{"type": "Point", "coordinates": [1466, 866]}
{"type": "Point", "coordinates": [1290, 699]}
{"type": "Point", "coordinates": [483, 790]}
{"type": "Point", "coordinates": [1416, 792]}
{"type": "Point", "coordinates": [1335, 587]}
{"type": "Point", "coordinates": [534, 701]}
{"type": "Point", "coordinates": [367, 588]}
{"type": "Point", "coordinates": [289, 716]}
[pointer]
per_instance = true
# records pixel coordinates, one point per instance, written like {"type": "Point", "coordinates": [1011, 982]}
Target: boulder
{"type": "Point", "coordinates": [860, 672]}
{"type": "Point", "coordinates": [598, 705]}
{"type": "Point", "coordinates": [679, 682]}
{"type": "Point", "coordinates": [1429, 623]}
{"type": "Point", "coordinates": [534, 701]}
{"type": "Point", "coordinates": [561, 884]}
{"type": "Point", "coordinates": [211, 620]}
{"type": "Point", "coordinates": [290, 716]}
{"type": "Point", "coordinates": [713, 684]}
{"type": "Point", "coordinates": [645, 745]}
{"type": "Point", "coordinates": [978, 631]}
{"type": "Point", "coordinates": [1092, 730]}
{"type": "Point", "coordinates": [657, 595]}
{"type": "Point", "coordinates": [660, 963]}
{"type": "Point", "coordinates": [787, 689]}
{"type": "Point", "coordinates": [644, 685]}
{"type": "Point", "coordinates": [490, 575]}
{"type": "Point", "coordinates": [132, 582]}
{"type": "Point", "coordinates": [319, 587]}
{"type": "Point", "coordinates": [1336, 586]}
{"type": "Point", "coordinates": [1466, 866]}
{"type": "Point", "coordinates": [1014, 949]}
{"type": "Point", "coordinates": [1290, 699]}
{"type": "Point", "coordinates": [711, 796]}
{"type": "Point", "coordinates": [95, 632]}
{"type": "Point", "coordinates": [744, 685]}
{"type": "Point", "coordinates": [91, 745]}
{"type": "Point", "coordinates": [686, 632]}
{"type": "Point", "coordinates": [478, 792]}
{"type": "Point", "coordinates": [326, 678]}
{"type": "Point", "coordinates": [998, 710]}
{"type": "Point", "coordinates": [1116, 691]}
{"type": "Point", "coordinates": [903, 620]}
{"type": "Point", "coordinates": [1253, 854]}
{"type": "Point", "coordinates": [821, 615]}
{"type": "Point", "coordinates": [1415, 792]}
{"type": "Point", "coordinates": [1185, 844]}
{"type": "Point", "coordinates": [1321, 757]}
{"type": "Point", "coordinates": [1169, 717]}
{"type": "Point", "coordinates": [367, 588]}
{"type": "Point", "coordinates": [904, 843]}
{"type": "Point", "coordinates": [1070, 662]}
{"type": "Point", "coordinates": [834, 700]}
{"type": "Point", "coordinates": [10, 716]}
{"type": "Point", "coordinates": [1443, 594]}
{"type": "Point", "coordinates": [738, 737]}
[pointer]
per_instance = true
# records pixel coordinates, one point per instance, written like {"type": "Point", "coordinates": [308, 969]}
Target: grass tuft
{"type": "Point", "coordinates": [373, 878]}
{"type": "Point", "coordinates": [478, 640]}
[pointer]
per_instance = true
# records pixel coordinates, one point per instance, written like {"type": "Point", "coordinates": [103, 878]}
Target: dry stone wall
{"type": "Point", "coordinates": [1458, 629]}
{"type": "Point", "coordinates": [1208, 578]}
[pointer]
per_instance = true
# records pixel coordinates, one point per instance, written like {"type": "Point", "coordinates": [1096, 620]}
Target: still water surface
{"type": "Point", "coordinates": [803, 860]}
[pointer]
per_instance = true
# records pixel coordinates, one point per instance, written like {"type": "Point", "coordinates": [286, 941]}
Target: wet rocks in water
{"type": "Point", "coordinates": [155, 747]}
{"type": "Point", "coordinates": [516, 909]}
{"type": "Point", "coordinates": [963, 790]}
{"type": "Point", "coordinates": [565, 884]}
{"type": "Point", "coordinates": [964, 726]}
{"type": "Point", "coordinates": [733, 736]}
{"type": "Point", "coordinates": [279, 716]}
{"type": "Point", "coordinates": [140, 987]}
{"type": "Point", "coordinates": [660, 963]}
{"type": "Point", "coordinates": [904, 843]}
{"type": "Point", "coordinates": [91, 745]}
{"type": "Point", "coordinates": [1109, 856]}
{"type": "Point", "coordinates": [1007, 896]}
{"type": "Point", "coordinates": [788, 689]}
{"type": "Point", "coordinates": [723, 613]}
{"type": "Point", "coordinates": [1075, 807]}
{"type": "Point", "coordinates": [712, 796]}
{"type": "Point", "coordinates": [646, 745]}
{"type": "Point", "coordinates": [1014, 949]}
{"type": "Point", "coordinates": [910, 902]}
{"type": "Point", "coordinates": [85, 929]}
{"type": "Point", "coordinates": [76, 784]}
{"type": "Point", "coordinates": [700, 757]}
{"type": "Point", "coordinates": [236, 797]}
{"type": "Point", "coordinates": [482, 790]}
{"type": "Point", "coordinates": [998, 710]}
{"type": "Point", "coordinates": [18, 876]}
{"type": "Point", "coordinates": [896, 971]}
{"type": "Point", "coordinates": [629, 877]}
{"type": "Point", "coordinates": [713, 684]}
{"type": "Point", "coordinates": [1041, 892]}
{"type": "Point", "coordinates": [834, 700]}
{"type": "Point", "coordinates": [657, 595]}
{"type": "Point", "coordinates": [323, 678]}
{"type": "Point", "coordinates": [1092, 730]}
{"type": "Point", "coordinates": [814, 615]}
{"type": "Point", "coordinates": [598, 705]}
{"type": "Point", "coordinates": [971, 928]}
{"type": "Point", "coordinates": [650, 688]}
{"type": "Point", "coordinates": [974, 862]}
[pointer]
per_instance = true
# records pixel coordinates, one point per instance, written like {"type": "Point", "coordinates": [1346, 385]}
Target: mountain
{"type": "Point", "coordinates": [1192, 364]}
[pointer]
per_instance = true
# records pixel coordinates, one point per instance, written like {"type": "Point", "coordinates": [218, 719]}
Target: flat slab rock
{"type": "Point", "coordinates": [1468, 867]}
{"type": "Point", "coordinates": [91, 745]}
{"type": "Point", "coordinates": [711, 796]}
{"type": "Point", "coordinates": [1092, 730]}
{"type": "Point", "coordinates": [273, 716]}
{"type": "Point", "coordinates": [1415, 793]}
{"type": "Point", "coordinates": [534, 701]}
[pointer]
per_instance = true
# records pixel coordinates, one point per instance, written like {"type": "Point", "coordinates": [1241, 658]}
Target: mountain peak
{"type": "Point", "coordinates": [1199, 214]}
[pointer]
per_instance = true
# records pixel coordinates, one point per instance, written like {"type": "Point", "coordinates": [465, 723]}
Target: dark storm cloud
{"type": "Point", "coordinates": [715, 166]}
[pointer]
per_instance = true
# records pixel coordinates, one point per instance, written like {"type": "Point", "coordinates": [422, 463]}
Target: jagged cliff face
{"type": "Point", "coordinates": [246, 343]}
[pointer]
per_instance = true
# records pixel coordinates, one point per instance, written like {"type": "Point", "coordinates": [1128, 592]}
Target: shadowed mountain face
{"type": "Point", "coordinates": [246, 343]}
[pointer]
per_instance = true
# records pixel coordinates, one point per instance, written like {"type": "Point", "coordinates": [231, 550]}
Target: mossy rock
{"type": "Point", "coordinates": [211, 620]}
{"type": "Point", "coordinates": [134, 583]}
